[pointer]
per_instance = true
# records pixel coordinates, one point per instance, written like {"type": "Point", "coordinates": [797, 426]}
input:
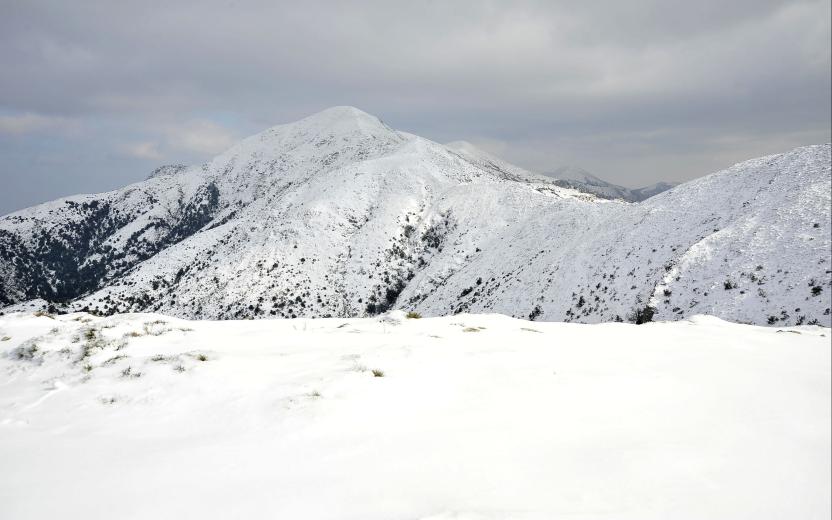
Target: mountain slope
{"type": "Point", "coordinates": [761, 227]}
{"type": "Point", "coordinates": [581, 180]}
{"type": "Point", "coordinates": [340, 215]}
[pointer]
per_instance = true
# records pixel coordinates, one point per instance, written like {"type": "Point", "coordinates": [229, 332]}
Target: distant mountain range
{"type": "Point", "coordinates": [340, 215]}
{"type": "Point", "coordinates": [580, 179]}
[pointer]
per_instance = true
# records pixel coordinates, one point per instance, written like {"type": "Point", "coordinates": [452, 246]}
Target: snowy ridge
{"type": "Point", "coordinates": [494, 164]}
{"type": "Point", "coordinates": [340, 215]}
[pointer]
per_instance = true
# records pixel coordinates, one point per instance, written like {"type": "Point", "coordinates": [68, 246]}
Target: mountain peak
{"type": "Point", "coordinates": [343, 118]}
{"type": "Point", "coordinates": [345, 122]}
{"type": "Point", "coordinates": [167, 169]}
{"type": "Point", "coordinates": [341, 111]}
{"type": "Point", "coordinates": [341, 132]}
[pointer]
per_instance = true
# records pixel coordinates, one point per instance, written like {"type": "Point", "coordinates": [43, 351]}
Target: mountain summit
{"type": "Point", "coordinates": [339, 215]}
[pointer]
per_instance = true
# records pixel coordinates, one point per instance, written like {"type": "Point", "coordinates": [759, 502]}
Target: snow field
{"type": "Point", "coordinates": [463, 417]}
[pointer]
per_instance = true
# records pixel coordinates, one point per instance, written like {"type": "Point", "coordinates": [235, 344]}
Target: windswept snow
{"type": "Point", "coordinates": [473, 417]}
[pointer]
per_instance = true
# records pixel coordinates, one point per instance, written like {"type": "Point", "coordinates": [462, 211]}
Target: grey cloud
{"type": "Point", "coordinates": [143, 150]}
{"type": "Point", "coordinates": [638, 91]}
{"type": "Point", "coordinates": [19, 124]}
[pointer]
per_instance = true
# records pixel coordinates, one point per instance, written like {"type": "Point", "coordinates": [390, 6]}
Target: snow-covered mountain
{"type": "Point", "coordinates": [340, 215]}
{"type": "Point", "coordinates": [579, 179]}
{"type": "Point", "coordinates": [639, 194]}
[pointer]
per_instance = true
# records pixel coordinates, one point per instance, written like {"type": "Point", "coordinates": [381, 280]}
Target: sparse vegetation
{"type": "Point", "coordinates": [378, 373]}
{"type": "Point", "coordinates": [113, 360]}
{"type": "Point", "coordinates": [642, 315]}
{"type": "Point", "coordinates": [155, 328]}
{"type": "Point", "coordinates": [413, 315]}
{"type": "Point", "coordinates": [537, 311]}
{"type": "Point", "coordinates": [26, 352]}
{"type": "Point", "coordinates": [91, 346]}
{"type": "Point", "coordinates": [128, 372]}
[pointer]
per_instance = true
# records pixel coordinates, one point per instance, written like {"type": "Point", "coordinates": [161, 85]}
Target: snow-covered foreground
{"type": "Point", "coordinates": [472, 417]}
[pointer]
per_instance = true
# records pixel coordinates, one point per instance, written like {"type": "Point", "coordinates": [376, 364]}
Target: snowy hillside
{"type": "Point", "coordinates": [751, 244]}
{"type": "Point", "coordinates": [580, 179]}
{"type": "Point", "coordinates": [468, 417]}
{"type": "Point", "coordinates": [340, 215]}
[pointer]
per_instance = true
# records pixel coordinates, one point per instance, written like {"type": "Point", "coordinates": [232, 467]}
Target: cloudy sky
{"type": "Point", "coordinates": [95, 94]}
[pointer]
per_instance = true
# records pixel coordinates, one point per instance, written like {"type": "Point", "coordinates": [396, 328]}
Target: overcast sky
{"type": "Point", "coordinates": [95, 95]}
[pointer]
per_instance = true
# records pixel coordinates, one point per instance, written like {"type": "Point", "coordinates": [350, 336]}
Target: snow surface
{"type": "Point", "coordinates": [475, 417]}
